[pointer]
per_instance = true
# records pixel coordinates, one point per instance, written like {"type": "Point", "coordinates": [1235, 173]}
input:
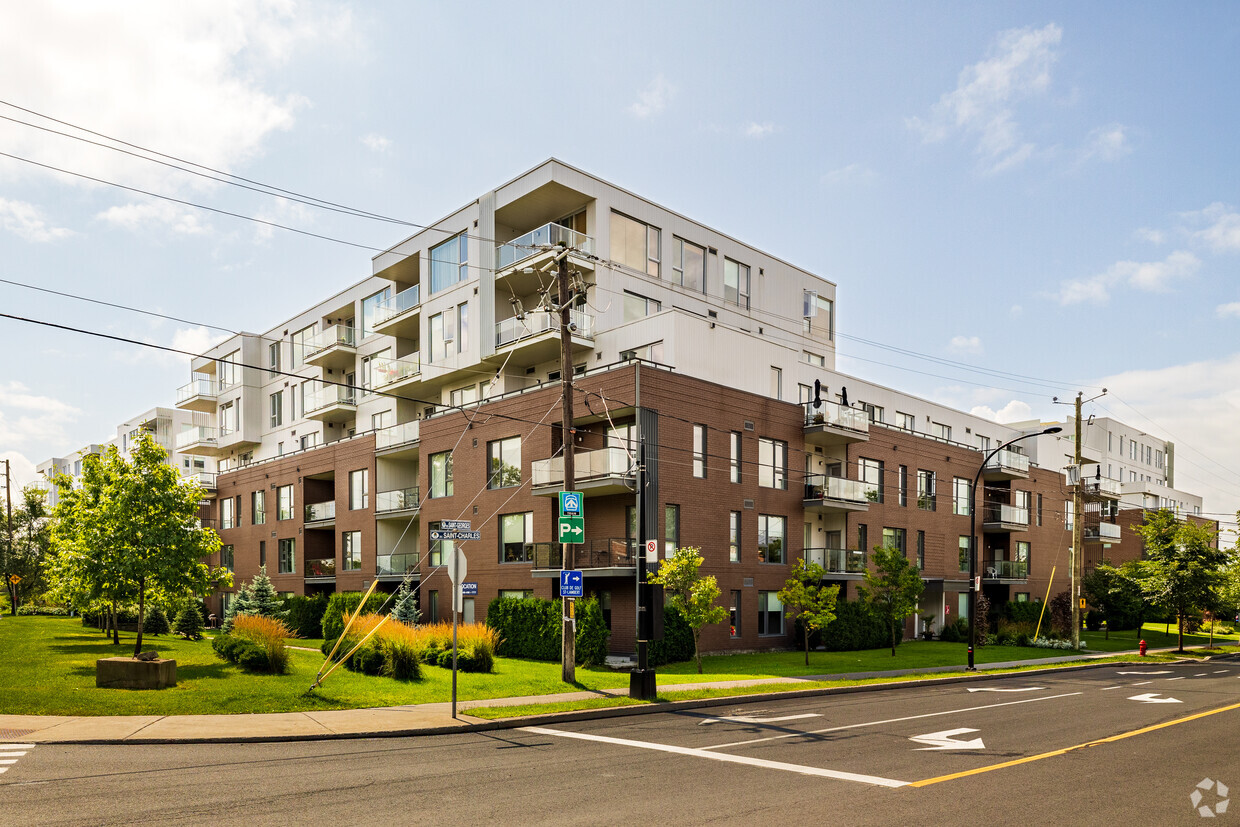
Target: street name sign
{"type": "Point", "coordinates": [455, 525]}
{"type": "Point", "coordinates": [456, 536]}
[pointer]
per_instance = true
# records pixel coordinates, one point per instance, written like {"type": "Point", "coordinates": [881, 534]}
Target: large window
{"type": "Point", "coordinates": [736, 457]}
{"type": "Point", "coordinates": [895, 538]}
{"type": "Point", "coordinates": [964, 553]}
{"type": "Point", "coordinates": [230, 369]}
{"type": "Point", "coordinates": [634, 244]}
{"type": "Point", "coordinates": [699, 451]}
{"type": "Point", "coordinates": [228, 419]}
{"type": "Point", "coordinates": [688, 265]}
{"type": "Point", "coordinates": [226, 556]}
{"type": "Point", "coordinates": [925, 490]}
{"type": "Point", "coordinates": [770, 614]}
{"type": "Point", "coordinates": [819, 312]}
{"type": "Point", "coordinates": [275, 409]}
{"type": "Point", "coordinates": [639, 307]}
{"type": "Point", "coordinates": [351, 550]}
{"type": "Point", "coordinates": [440, 551]}
{"type": "Point", "coordinates": [671, 530]}
{"type": "Point", "coordinates": [504, 462]}
{"type": "Point", "coordinates": [301, 345]}
{"type": "Point", "coordinates": [516, 532]}
{"type": "Point", "coordinates": [442, 334]}
{"type": "Point", "coordinates": [736, 283]}
{"type": "Point", "coordinates": [288, 557]}
{"type": "Point", "coordinates": [772, 463]}
{"type": "Point", "coordinates": [228, 517]}
{"type": "Point", "coordinates": [359, 489]}
{"type": "Point", "coordinates": [441, 474]}
{"type": "Point", "coordinates": [448, 262]}
{"type": "Point", "coordinates": [369, 305]}
{"type": "Point", "coordinates": [902, 485]}
{"type": "Point", "coordinates": [734, 537]}
{"type": "Point", "coordinates": [258, 507]}
{"type": "Point", "coordinates": [961, 496]}
{"type": "Point", "coordinates": [273, 358]}
{"type": "Point", "coordinates": [941, 431]}
{"type": "Point", "coordinates": [771, 533]}
{"type": "Point", "coordinates": [284, 502]}
{"type": "Point", "coordinates": [871, 471]}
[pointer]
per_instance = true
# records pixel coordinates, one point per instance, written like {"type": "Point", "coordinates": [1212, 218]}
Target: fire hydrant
{"type": "Point", "coordinates": [1141, 648]}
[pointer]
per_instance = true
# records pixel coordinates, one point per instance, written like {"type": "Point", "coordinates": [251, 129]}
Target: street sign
{"type": "Point", "coordinates": [1082, 603]}
{"type": "Point", "coordinates": [572, 529]}
{"type": "Point", "coordinates": [456, 573]}
{"type": "Point", "coordinates": [570, 583]}
{"type": "Point", "coordinates": [571, 504]}
{"type": "Point", "coordinates": [469, 589]}
{"type": "Point", "coordinates": [455, 525]}
{"type": "Point", "coordinates": [456, 536]}
{"type": "Point", "coordinates": [652, 549]}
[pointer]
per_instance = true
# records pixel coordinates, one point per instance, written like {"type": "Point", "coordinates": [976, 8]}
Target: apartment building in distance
{"type": "Point", "coordinates": [430, 391]}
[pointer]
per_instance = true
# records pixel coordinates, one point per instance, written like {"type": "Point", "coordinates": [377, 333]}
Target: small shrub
{"type": "Point", "coordinates": [245, 653]}
{"type": "Point", "coordinates": [156, 622]}
{"type": "Point", "coordinates": [189, 622]}
{"type": "Point", "coordinates": [268, 634]}
{"type": "Point", "coordinates": [1021, 611]}
{"type": "Point", "coordinates": [1061, 613]}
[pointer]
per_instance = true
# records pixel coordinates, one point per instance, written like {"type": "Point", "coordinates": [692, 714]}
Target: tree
{"type": "Point", "coordinates": [1117, 593]}
{"type": "Point", "coordinates": [130, 532]}
{"type": "Point", "coordinates": [1098, 586]}
{"type": "Point", "coordinates": [188, 623]}
{"type": "Point", "coordinates": [264, 600]}
{"type": "Point", "coordinates": [892, 589]}
{"type": "Point", "coordinates": [804, 595]}
{"type": "Point", "coordinates": [405, 607]}
{"type": "Point", "coordinates": [23, 563]}
{"type": "Point", "coordinates": [693, 595]}
{"type": "Point", "coordinates": [241, 604]}
{"type": "Point", "coordinates": [1182, 567]}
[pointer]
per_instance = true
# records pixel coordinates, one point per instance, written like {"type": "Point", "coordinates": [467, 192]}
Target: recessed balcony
{"type": "Point", "coordinates": [1005, 571]}
{"type": "Point", "coordinates": [839, 561]}
{"type": "Point", "coordinates": [199, 440]}
{"type": "Point", "coordinates": [1102, 533]}
{"type": "Point", "coordinates": [518, 262]}
{"type": "Point", "coordinates": [392, 375]}
{"type": "Point", "coordinates": [1094, 487]}
{"type": "Point", "coordinates": [1006, 465]}
{"type": "Point", "coordinates": [402, 502]}
{"type": "Point", "coordinates": [838, 495]}
{"type": "Point", "coordinates": [399, 316]}
{"type": "Point", "coordinates": [832, 424]}
{"type": "Point", "coordinates": [597, 557]}
{"type": "Point", "coordinates": [334, 403]}
{"type": "Point", "coordinates": [399, 441]}
{"type": "Point", "coordinates": [201, 395]}
{"type": "Point", "coordinates": [334, 348]}
{"type": "Point", "coordinates": [595, 473]}
{"type": "Point", "coordinates": [321, 515]}
{"type": "Point", "coordinates": [535, 336]}
{"type": "Point", "coordinates": [321, 571]}
{"type": "Point", "coordinates": [1002, 517]}
{"type": "Point", "coordinates": [396, 566]}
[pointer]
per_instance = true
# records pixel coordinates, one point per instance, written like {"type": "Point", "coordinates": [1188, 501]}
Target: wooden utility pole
{"type": "Point", "coordinates": [569, 653]}
{"type": "Point", "coordinates": [1078, 534]}
{"type": "Point", "coordinates": [8, 510]}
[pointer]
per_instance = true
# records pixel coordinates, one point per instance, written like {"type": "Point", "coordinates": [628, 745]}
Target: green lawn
{"type": "Point", "coordinates": [1155, 638]}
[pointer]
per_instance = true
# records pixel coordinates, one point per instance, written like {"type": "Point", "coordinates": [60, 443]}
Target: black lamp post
{"type": "Point", "coordinates": [973, 536]}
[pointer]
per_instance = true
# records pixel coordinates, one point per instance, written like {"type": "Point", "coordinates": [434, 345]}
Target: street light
{"type": "Point", "coordinates": [973, 535]}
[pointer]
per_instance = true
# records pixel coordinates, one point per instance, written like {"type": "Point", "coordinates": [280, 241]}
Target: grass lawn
{"type": "Point", "coordinates": [1155, 637]}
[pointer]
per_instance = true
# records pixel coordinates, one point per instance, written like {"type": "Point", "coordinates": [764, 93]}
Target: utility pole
{"type": "Point", "coordinates": [1078, 533]}
{"type": "Point", "coordinates": [8, 510]}
{"type": "Point", "coordinates": [569, 653]}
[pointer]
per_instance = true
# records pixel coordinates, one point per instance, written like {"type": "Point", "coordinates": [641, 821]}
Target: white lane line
{"type": "Point", "coordinates": [1222, 671]}
{"type": "Point", "coordinates": [12, 754]}
{"type": "Point", "coordinates": [1176, 679]}
{"type": "Point", "coordinates": [1140, 683]}
{"type": "Point", "coordinates": [890, 721]}
{"type": "Point", "coordinates": [1117, 686]}
{"type": "Point", "coordinates": [725, 757]}
{"type": "Point", "coordinates": [1200, 675]}
{"type": "Point", "coordinates": [8, 761]}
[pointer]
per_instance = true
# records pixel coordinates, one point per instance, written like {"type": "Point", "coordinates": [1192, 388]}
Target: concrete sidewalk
{"type": "Point", "coordinates": [417, 719]}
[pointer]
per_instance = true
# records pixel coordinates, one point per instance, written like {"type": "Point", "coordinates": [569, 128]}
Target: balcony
{"type": "Point", "coordinates": [396, 565]}
{"type": "Point", "coordinates": [334, 403]}
{"type": "Point", "coordinates": [1006, 465]}
{"type": "Point", "coordinates": [536, 336]}
{"type": "Point", "coordinates": [838, 560]}
{"type": "Point", "coordinates": [596, 473]}
{"type": "Point", "coordinates": [199, 395]}
{"type": "Point", "coordinates": [335, 347]}
{"type": "Point", "coordinates": [533, 251]}
{"type": "Point", "coordinates": [832, 424]}
{"type": "Point", "coordinates": [323, 515]}
{"type": "Point", "coordinates": [398, 316]}
{"type": "Point", "coordinates": [838, 495]}
{"type": "Point", "coordinates": [390, 375]}
{"type": "Point", "coordinates": [1100, 488]}
{"type": "Point", "coordinates": [206, 481]}
{"type": "Point", "coordinates": [399, 441]}
{"type": "Point", "coordinates": [1003, 517]}
{"type": "Point", "coordinates": [398, 503]}
{"type": "Point", "coordinates": [198, 439]}
{"type": "Point", "coordinates": [600, 556]}
{"type": "Point", "coordinates": [1102, 533]}
{"type": "Point", "coordinates": [320, 571]}
{"type": "Point", "coordinates": [997, 571]}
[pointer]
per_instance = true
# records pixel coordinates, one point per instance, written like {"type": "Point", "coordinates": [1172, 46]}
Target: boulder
{"type": "Point", "coordinates": [150, 655]}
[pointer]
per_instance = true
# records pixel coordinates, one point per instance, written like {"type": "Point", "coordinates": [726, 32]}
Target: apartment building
{"type": "Point", "coordinates": [429, 391]}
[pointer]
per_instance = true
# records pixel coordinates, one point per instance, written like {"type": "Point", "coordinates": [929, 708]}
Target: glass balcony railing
{"type": "Point", "coordinates": [399, 500]}
{"type": "Point", "coordinates": [196, 435]}
{"type": "Point", "coordinates": [320, 568]}
{"type": "Point", "coordinates": [200, 386]}
{"type": "Point", "coordinates": [335, 335]}
{"type": "Point", "coordinates": [1006, 460]}
{"type": "Point", "coordinates": [605, 462]}
{"type": "Point", "coordinates": [402, 302]}
{"type": "Point", "coordinates": [823, 487]}
{"type": "Point", "coordinates": [1103, 531]}
{"type": "Point", "coordinates": [384, 372]}
{"type": "Point", "coordinates": [320, 511]}
{"type": "Point", "coordinates": [1005, 569]}
{"type": "Point", "coordinates": [401, 434]}
{"type": "Point", "coordinates": [535, 324]}
{"type": "Point", "coordinates": [529, 244]}
{"type": "Point", "coordinates": [837, 560]}
{"type": "Point", "coordinates": [331, 395]}
{"type": "Point", "coordinates": [396, 564]}
{"type": "Point", "coordinates": [1002, 513]}
{"type": "Point", "coordinates": [1101, 487]}
{"type": "Point", "coordinates": [838, 416]}
{"type": "Point", "coordinates": [204, 478]}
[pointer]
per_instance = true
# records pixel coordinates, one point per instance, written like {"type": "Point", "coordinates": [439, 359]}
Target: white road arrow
{"type": "Point", "coordinates": [745, 719]}
{"type": "Point", "coordinates": [1021, 689]}
{"type": "Point", "coordinates": [1152, 698]}
{"type": "Point", "coordinates": [1160, 672]}
{"type": "Point", "coordinates": [943, 740]}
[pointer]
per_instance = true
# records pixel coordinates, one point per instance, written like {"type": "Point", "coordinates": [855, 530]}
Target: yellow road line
{"type": "Point", "coordinates": [928, 781]}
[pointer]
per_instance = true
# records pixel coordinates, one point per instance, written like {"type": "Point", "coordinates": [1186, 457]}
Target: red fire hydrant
{"type": "Point", "coordinates": [1141, 648]}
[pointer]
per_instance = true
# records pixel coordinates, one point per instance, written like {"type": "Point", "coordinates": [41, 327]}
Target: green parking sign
{"type": "Point", "coordinates": [571, 530]}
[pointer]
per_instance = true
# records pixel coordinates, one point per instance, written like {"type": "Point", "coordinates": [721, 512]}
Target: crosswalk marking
{"type": "Point", "coordinates": [9, 753]}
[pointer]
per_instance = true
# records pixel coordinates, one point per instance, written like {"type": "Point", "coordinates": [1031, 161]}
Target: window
{"type": "Point", "coordinates": [439, 551]}
{"type": "Point", "coordinates": [770, 614]}
{"type": "Point", "coordinates": [1022, 559]}
{"type": "Point", "coordinates": [771, 533]}
{"type": "Point", "coordinates": [871, 471]}
{"type": "Point", "coordinates": [863, 537]}
{"type": "Point", "coordinates": [652, 352]}
{"type": "Point", "coordinates": [736, 283]}
{"type": "Point", "coordinates": [228, 518]}
{"type": "Point", "coordinates": [442, 333]}
{"type": "Point", "coordinates": [961, 496]}
{"type": "Point", "coordinates": [258, 507]}
{"type": "Point", "coordinates": [634, 244]}
{"type": "Point", "coordinates": [772, 463]}
{"type": "Point", "coordinates": [895, 538]}
{"type": "Point", "coordinates": [351, 550]}
{"type": "Point", "coordinates": [284, 502]}
{"type": "Point", "coordinates": [906, 421]}
{"type": "Point", "coordinates": [819, 313]}
{"type": "Point", "coordinates": [275, 407]}
{"type": "Point", "coordinates": [230, 369]}
{"type": "Point", "coordinates": [504, 462]}
{"type": "Point", "coordinates": [777, 383]}
{"type": "Point", "coordinates": [736, 457]}
{"type": "Point", "coordinates": [964, 553]}
{"type": "Point", "coordinates": [814, 359]}
{"type": "Point", "coordinates": [699, 451]}
{"type": "Point", "coordinates": [307, 441]}
{"type": "Point", "coordinates": [983, 442]}
{"type": "Point", "coordinates": [370, 305]}
{"type": "Point", "coordinates": [671, 529]}
{"type": "Point", "coordinates": [467, 395]}
{"type": "Point", "coordinates": [262, 552]}
{"type": "Point", "coordinates": [359, 489]}
{"type": "Point", "coordinates": [288, 556]}
{"type": "Point", "coordinates": [462, 327]}
{"type": "Point", "coordinates": [734, 537]}
{"type": "Point", "coordinates": [639, 307]}
{"type": "Point", "coordinates": [448, 262]}
{"type": "Point", "coordinates": [734, 614]}
{"type": "Point", "coordinates": [381, 420]}
{"type": "Point", "coordinates": [622, 436]}
{"type": "Point", "coordinates": [1067, 514]}
{"type": "Point", "coordinates": [273, 358]}
{"type": "Point", "coordinates": [940, 430]}
{"type": "Point", "coordinates": [441, 474]}
{"type": "Point", "coordinates": [688, 265]}
{"type": "Point", "coordinates": [1022, 597]}
{"type": "Point", "coordinates": [1021, 500]}
{"type": "Point", "coordinates": [228, 419]}
{"type": "Point", "coordinates": [226, 556]}
{"type": "Point", "coordinates": [902, 485]}
{"type": "Point", "coordinates": [432, 605]}
{"type": "Point", "coordinates": [301, 345]}
{"type": "Point", "coordinates": [921, 551]}
{"type": "Point", "coordinates": [1039, 509]}
{"type": "Point", "coordinates": [876, 412]}
{"type": "Point", "coordinates": [925, 490]}
{"type": "Point", "coordinates": [516, 594]}
{"type": "Point", "coordinates": [516, 532]}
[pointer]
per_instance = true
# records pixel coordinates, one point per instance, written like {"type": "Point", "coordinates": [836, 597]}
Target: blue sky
{"type": "Point", "coordinates": [1047, 190]}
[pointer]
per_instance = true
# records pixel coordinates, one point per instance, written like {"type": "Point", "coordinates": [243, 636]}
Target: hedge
{"type": "Point", "coordinates": [245, 653]}
{"type": "Point", "coordinates": [592, 633]}
{"type": "Point", "coordinates": [339, 604]}
{"type": "Point", "coordinates": [1022, 612]}
{"type": "Point", "coordinates": [527, 627]}
{"type": "Point", "coordinates": [855, 627]}
{"type": "Point", "coordinates": [305, 615]}
{"type": "Point", "coordinates": [677, 643]}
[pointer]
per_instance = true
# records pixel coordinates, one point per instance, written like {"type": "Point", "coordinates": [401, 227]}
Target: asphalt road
{"type": "Point", "coordinates": [1011, 751]}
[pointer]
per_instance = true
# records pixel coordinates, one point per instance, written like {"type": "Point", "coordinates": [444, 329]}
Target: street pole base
{"type": "Point", "coordinates": [642, 685]}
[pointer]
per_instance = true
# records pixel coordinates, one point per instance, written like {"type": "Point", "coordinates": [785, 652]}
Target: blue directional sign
{"type": "Point", "coordinates": [570, 583]}
{"type": "Point", "coordinates": [571, 504]}
{"type": "Point", "coordinates": [469, 589]}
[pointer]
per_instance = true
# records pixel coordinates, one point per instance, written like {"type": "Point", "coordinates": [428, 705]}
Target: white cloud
{"type": "Point", "coordinates": [1222, 234]}
{"type": "Point", "coordinates": [1107, 143]}
{"type": "Point", "coordinates": [376, 143]}
{"type": "Point", "coordinates": [26, 221]}
{"type": "Point", "coordinates": [854, 172]}
{"type": "Point", "coordinates": [1151, 277]}
{"type": "Point", "coordinates": [196, 339]}
{"type": "Point", "coordinates": [653, 99]}
{"type": "Point", "coordinates": [759, 130]}
{"type": "Point", "coordinates": [965, 344]}
{"type": "Point", "coordinates": [1231, 309]}
{"type": "Point", "coordinates": [981, 104]}
{"type": "Point", "coordinates": [1151, 235]}
{"type": "Point", "coordinates": [163, 214]}
{"type": "Point", "coordinates": [22, 469]}
{"type": "Point", "coordinates": [1016, 311]}
{"type": "Point", "coordinates": [190, 339]}
{"type": "Point", "coordinates": [26, 417]}
{"type": "Point", "coordinates": [1014, 411]}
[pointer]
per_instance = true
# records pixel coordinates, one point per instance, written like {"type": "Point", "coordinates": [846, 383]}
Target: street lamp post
{"type": "Point", "coordinates": [973, 536]}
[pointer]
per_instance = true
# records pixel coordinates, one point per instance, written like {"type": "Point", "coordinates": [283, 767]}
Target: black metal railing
{"type": "Point", "coordinates": [594, 553]}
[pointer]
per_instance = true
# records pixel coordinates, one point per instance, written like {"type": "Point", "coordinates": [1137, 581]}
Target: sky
{"type": "Point", "coordinates": [1017, 201]}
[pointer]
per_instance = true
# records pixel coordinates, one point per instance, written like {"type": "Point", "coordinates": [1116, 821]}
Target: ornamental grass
{"type": "Point", "coordinates": [268, 633]}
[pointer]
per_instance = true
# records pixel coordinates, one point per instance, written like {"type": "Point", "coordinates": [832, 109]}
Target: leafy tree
{"type": "Point", "coordinates": [805, 596]}
{"type": "Point", "coordinates": [1182, 568]}
{"type": "Point", "coordinates": [892, 589]}
{"type": "Point", "coordinates": [405, 607]}
{"type": "Point", "coordinates": [22, 564]}
{"type": "Point", "coordinates": [690, 593]}
{"type": "Point", "coordinates": [130, 532]}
